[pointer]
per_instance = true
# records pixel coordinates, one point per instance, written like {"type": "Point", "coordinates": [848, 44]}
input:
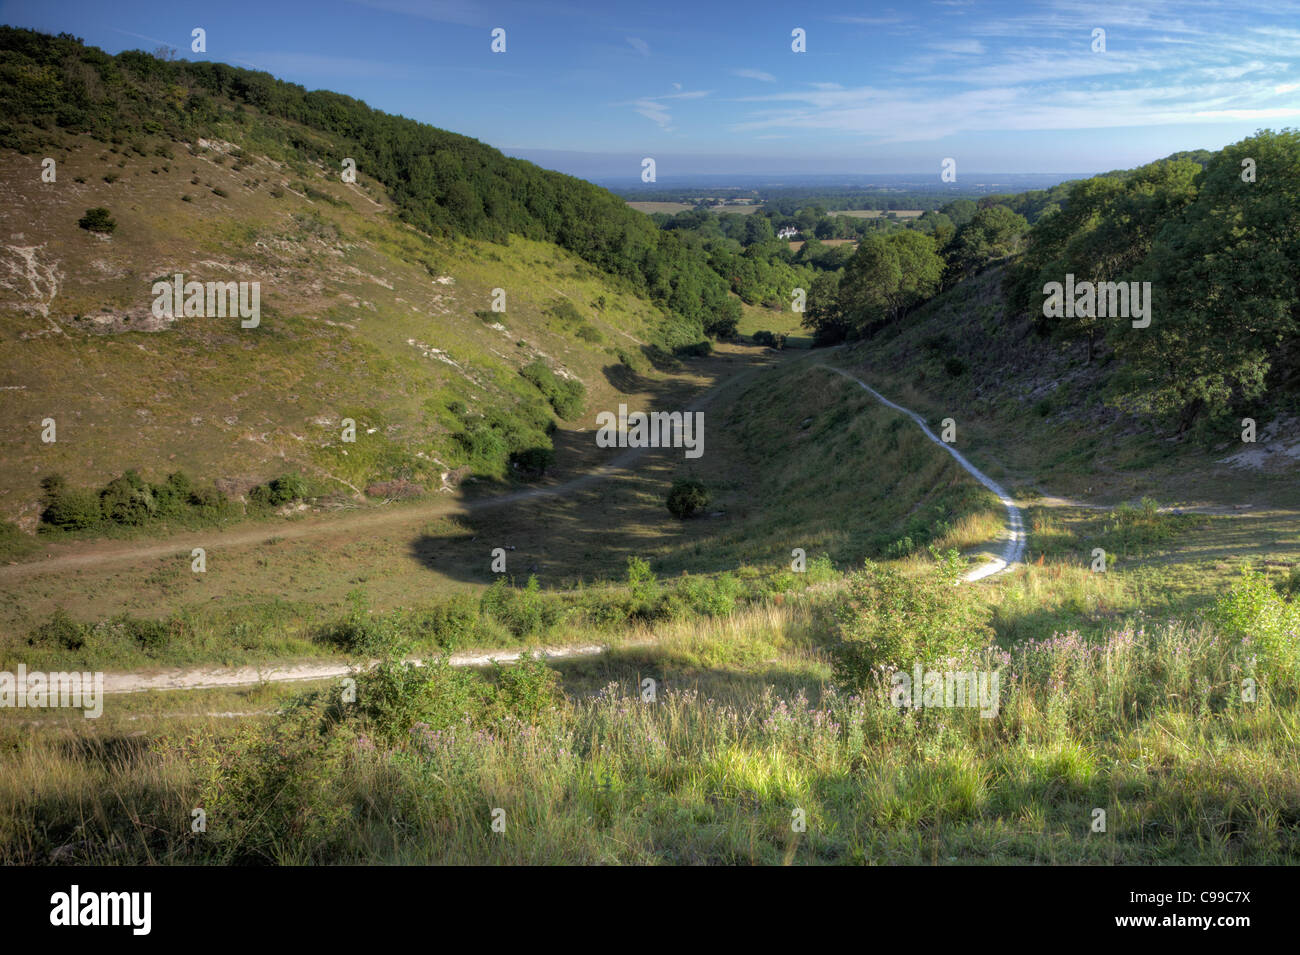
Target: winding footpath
{"type": "Point", "coordinates": [1014, 551]}
{"type": "Point", "coordinates": [202, 678]}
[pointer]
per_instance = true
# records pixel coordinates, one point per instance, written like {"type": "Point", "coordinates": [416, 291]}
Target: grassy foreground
{"type": "Point", "coordinates": [746, 734]}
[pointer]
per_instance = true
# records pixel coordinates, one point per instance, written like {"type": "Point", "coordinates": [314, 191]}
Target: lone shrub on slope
{"type": "Point", "coordinates": [686, 497]}
{"type": "Point", "coordinates": [566, 395]}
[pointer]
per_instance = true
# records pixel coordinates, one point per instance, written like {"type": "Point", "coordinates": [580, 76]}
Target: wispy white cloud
{"type": "Point", "coordinates": [1166, 62]}
{"type": "Point", "coordinates": [1239, 70]}
{"type": "Point", "coordinates": [867, 21]}
{"type": "Point", "coordinates": [964, 47]}
{"type": "Point", "coordinates": [892, 115]}
{"type": "Point", "coordinates": [755, 75]}
{"type": "Point", "coordinates": [638, 44]}
{"type": "Point", "coordinates": [655, 109]}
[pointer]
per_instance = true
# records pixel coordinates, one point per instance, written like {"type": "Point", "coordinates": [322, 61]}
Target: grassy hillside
{"type": "Point", "coordinates": [362, 317]}
{"type": "Point", "coordinates": [442, 183]}
{"type": "Point", "coordinates": [1033, 410]}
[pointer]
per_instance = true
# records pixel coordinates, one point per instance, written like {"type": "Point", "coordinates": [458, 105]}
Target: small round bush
{"type": "Point", "coordinates": [97, 220]}
{"type": "Point", "coordinates": [128, 500]}
{"type": "Point", "coordinates": [686, 497]}
{"type": "Point", "coordinates": [281, 491]}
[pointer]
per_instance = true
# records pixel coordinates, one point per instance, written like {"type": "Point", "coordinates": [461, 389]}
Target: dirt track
{"type": "Point", "coordinates": [197, 678]}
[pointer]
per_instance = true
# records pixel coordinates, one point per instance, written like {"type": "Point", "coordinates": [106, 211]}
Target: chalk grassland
{"type": "Point", "coordinates": [782, 474]}
{"type": "Point", "coordinates": [1106, 704]}
{"type": "Point", "coordinates": [362, 317]}
{"type": "Point", "coordinates": [400, 554]}
{"type": "Point", "coordinates": [794, 458]}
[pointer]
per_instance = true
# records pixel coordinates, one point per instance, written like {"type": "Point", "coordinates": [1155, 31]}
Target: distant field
{"type": "Point", "coordinates": [796, 246]}
{"type": "Point", "coordinates": [877, 213]}
{"type": "Point", "coordinates": [753, 318]}
{"type": "Point", "coordinates": [672, 208]}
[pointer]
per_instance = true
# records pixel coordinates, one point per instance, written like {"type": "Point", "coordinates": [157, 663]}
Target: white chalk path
{"type": "Point", "coordinates": [225, 677]}
{"type": "Point", "coordinates": [1014, 551]}
{"type": "Point", "coordinates": [213, 678]}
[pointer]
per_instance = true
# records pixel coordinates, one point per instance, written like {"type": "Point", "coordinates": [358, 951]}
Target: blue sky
{"type": "Point", "coordinates": [591, 87]}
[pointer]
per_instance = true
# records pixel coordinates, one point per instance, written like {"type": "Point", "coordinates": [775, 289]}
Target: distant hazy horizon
{"type": "Point", "coordinates": [685, 171]}
{"type": "Point", "coordinates": [707, 89]}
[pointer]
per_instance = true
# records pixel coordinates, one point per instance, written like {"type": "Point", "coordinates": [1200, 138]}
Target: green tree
{"type": "Point", "coordinates": [822, 313]}
{"type": "Point", "coordinates": [1224, 275]}
{"type": "Point", "coordinates": [991, 234]}
{"type": "Point", "coordinates": [888, 275]}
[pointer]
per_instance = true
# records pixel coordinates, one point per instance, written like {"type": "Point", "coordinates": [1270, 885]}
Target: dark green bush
{"type": "Point", "coordinates": [454, 622]}
{"type": "Point", "coordinates": [531, 463]}
{"type": "Point", "coordinates": [643, 587]}
{"type": "Point", "coordinates": [523, 612]}
{"type": "Point", "coordinates": [278, 492]}
{"type": "Point", "coordinates": [208, 501]}
{"type": "Point", "coordinates": [153, 636]}
{"type": "Point", "coordinates": [397, 695]}
{"type": "Point", "coordinates": [566, 395]}
{"type": "Point", "coordinates": [60, 632]}
{"type": "Point", "coordinates": [686, 497]}
{"type": "Point", "coordinates": [128, 500]}
{"type": "Point", "coordinates": [172, 497]}
{"type": "Point", "coordinates": [362, 633]}
{"type": "Point", "coordinates": [98, 220]}
{"type": "Point", "coordinates": [482, 443]}
{"type": "Point", "coordinates": [69, 508]}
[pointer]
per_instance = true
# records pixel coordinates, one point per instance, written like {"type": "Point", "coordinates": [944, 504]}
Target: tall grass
{"type": "Point", "coordinates": [1148, 723]}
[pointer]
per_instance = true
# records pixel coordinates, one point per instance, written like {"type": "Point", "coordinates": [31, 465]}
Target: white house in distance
{"type": "Point", "coordinates": [789, 232]}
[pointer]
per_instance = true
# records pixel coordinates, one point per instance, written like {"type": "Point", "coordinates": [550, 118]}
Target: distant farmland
{"type": "Point", "coordinates": [876, 213]}
{"type": "Point", "coordinates": [672, 208]}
